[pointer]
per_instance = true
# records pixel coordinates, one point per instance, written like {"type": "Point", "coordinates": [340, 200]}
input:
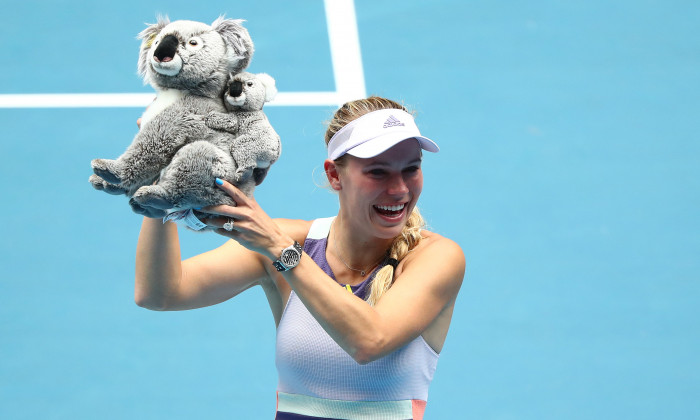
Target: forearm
{"type": "Point", "coordinates": [158, 266]}
{"type": "Point", "coordinates": [350, 321]}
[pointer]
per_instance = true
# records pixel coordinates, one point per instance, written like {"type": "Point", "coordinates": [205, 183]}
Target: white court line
{"type": "Point", "coordinates": [345, 50]}
{"type": "Point", "coordinates": [345, 55]}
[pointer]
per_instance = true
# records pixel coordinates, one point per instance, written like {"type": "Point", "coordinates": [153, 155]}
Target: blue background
{"type": "Point", "coordinates": [569, 174]}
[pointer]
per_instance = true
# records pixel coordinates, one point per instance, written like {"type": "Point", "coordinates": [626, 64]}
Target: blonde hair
{"type": "Point", "coordinates": [411, 234]}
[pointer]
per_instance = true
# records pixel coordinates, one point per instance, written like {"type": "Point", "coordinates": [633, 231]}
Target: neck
{"type": "Point", "coordinates": [354, 248]}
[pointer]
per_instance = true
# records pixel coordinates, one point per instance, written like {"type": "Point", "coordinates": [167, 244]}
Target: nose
{"type": "Point", "coordinates": [397, 185]}
{"type": "Point", "coordinates": [235, 89]}
{"type": "Point", "coordinates": [166, 49]}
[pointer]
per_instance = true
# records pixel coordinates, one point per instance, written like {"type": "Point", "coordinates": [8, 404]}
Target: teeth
{"type": "Point", "coordinates": [392, 208]}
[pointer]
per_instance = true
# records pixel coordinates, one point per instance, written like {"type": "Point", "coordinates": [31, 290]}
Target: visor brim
{"type": "Point", "coordinates": [381, 144]}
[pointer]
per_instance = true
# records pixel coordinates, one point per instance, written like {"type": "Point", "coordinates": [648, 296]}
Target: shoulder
{"type": "Point", "coordinates": [433, 244]}
{"type": "Point", "coordinates": [436, 257]}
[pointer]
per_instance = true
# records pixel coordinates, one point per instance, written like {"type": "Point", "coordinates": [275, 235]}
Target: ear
{"type": "Point", "coordinates": [148, 35]}
{"type": "Point", "coordinates": [239, 46]}
{"type": "Point", "coordinates": [269, 83]}
{"type": "Point", "coordinates": [332, 173]}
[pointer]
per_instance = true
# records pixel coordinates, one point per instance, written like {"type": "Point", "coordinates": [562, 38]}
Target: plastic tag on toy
{"type": "Point", "coordinates": [186, 217]}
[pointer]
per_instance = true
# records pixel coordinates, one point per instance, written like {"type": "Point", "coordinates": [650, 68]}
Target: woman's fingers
{"type": "Point", "coordinates": [223, 225]}
{"type": "Point", "coordinates": [217, 219]}
{"type": "Point", "coordinates": [222, 210]}
{"type": "Point", "coordinates": [234, 192]}
{"type": "Point", "coordinates": [228, 224]}
{"type": "Point", "coordinates": [239, 200]}
{"type": "Point", "coordinates": [249, 225]}
{"type": "Point", "coordinates": [245, 222]}
{"type": "Point", "coordinates": [235, 210]}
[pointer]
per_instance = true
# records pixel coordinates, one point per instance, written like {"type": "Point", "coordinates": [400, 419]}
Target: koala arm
{"type": "Point", "coordinates": [222, 122]}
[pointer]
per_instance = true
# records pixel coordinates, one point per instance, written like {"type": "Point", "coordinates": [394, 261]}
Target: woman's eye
{"type": "Point", "coordinates": [412, 169]}
{"type": "Point", "coordinates": [376, 172]}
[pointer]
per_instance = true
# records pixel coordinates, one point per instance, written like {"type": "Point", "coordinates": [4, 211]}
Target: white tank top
{"type": "Point", "coordinates": [310, 363]}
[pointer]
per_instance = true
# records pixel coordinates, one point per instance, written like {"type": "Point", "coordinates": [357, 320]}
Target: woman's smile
{"type": "Point", "coordinates": [391, 213]}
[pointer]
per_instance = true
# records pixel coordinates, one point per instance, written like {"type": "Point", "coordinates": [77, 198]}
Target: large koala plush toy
{"type": "Point", "coordinates": [190, 65]}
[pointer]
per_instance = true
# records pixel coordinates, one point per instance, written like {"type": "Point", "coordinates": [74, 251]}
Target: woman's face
{"type": "Point", "coordinates": [380, 192]}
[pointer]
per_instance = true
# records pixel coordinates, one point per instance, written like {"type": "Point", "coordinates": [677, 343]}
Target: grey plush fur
{"type": "Point", "coordinates": [242, 151]}
{"type": "Point", "coordinates": [188, 182]}
{"type": "Point", "coordinates": [189, 65]}
{"type": "Point", "coordinates": [256, 145]}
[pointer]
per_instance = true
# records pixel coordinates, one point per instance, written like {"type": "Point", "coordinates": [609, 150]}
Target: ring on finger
{"type": "Point", "coordinates": [228, 226]}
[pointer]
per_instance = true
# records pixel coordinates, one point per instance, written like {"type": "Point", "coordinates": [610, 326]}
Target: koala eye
{"type": "Point", "coordinates": [194, 43]}
{"type": "Point", "coordinates": [249, 83]}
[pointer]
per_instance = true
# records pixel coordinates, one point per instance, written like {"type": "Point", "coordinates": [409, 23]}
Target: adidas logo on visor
{"type": "Point", "coordinates": [392, 122]}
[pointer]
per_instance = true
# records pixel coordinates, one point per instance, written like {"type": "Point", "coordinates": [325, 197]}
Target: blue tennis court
{"type": "Point", "coordinates": [569, 174]}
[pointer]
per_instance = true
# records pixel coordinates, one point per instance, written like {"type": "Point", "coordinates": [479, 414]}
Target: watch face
{"type": "Point", "coordinates": [290, 258]}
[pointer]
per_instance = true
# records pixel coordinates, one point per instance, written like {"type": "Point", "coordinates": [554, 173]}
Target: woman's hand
{"type": "Point", "coordinates": [252, 227]}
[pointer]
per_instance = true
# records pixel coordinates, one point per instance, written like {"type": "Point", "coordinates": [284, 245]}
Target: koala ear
{"type": "Point", "coordinates": [239, 46]}
{"type": "Point", "coordinates": [269, 83]}
{"type": "Point", "coordinates": [148, 35]}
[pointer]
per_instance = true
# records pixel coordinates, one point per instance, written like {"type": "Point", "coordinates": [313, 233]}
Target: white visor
{"type": "Point", "coordinates": [376, 132]}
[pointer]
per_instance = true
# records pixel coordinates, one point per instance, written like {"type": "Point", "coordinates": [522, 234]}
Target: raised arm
{"type": "Point", "coordinates": [419, 303]}
{"type": "Point", "coordinates": [164, 282]}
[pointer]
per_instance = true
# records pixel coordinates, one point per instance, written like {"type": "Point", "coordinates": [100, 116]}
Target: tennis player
{"type": "Point", "coordinates": [362, 300]}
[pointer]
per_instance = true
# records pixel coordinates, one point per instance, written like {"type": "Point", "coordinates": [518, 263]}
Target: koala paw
{"type": "Point", "coordinates": [153, 196]}
{"type": "Point", "coordinates": [146, 211]}
{"type": "Point", "coordinates": [102, 185]}
{"type": "Point", "coordinates": [259, 174]}
{"type": "Point", "coordinates": [243, 174]}
{"type": "Point", "coordinates": [107, 170]}
{"type": "Point", "coordinates": [221, 122]}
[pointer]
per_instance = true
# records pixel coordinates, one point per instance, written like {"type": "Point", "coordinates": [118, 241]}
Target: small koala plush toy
{"type": "Point", "coordinates": [174, 159]}
{"type": "Point", "coordinates": [256, 145]}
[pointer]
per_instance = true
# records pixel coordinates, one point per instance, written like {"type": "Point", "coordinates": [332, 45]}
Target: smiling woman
{"type": "Point", "coordinates": [360, 323]}
{"type": "Point", "coordinates": [352, 140]}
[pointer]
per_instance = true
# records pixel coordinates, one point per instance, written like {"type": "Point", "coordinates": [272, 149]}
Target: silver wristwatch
{"type": "Point", "coordinates": [289, 258]}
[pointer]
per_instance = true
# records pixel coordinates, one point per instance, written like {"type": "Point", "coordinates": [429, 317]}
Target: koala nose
{"type": "Point", "coordinates": [235, 89]}
{"type": "Point", "coordinates": [166, 49]}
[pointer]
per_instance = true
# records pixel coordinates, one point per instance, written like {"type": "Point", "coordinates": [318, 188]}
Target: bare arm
{"type": "Point", "coordinates": [428, 284]}
{"type": "Point", "coordinates": [425, 287]}
{"type": "Point", "coordinates": [163, 282]}
{"type": "Point", "coordinates": [158, 269]}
